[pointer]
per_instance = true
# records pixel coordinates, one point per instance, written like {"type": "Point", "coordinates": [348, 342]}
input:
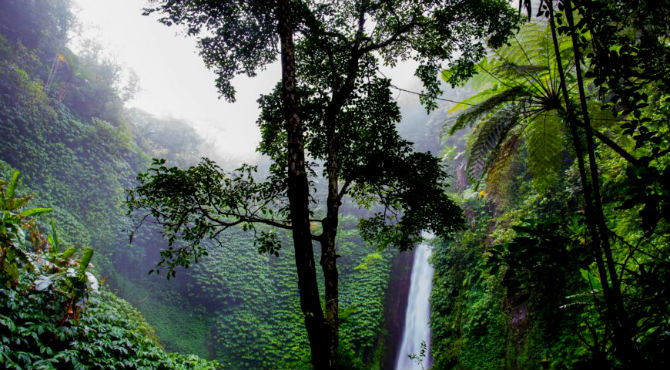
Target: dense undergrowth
{"type": "Point", "coordinates": [534, 281]}
{"type": "Point", "coordinates": [53, 313]}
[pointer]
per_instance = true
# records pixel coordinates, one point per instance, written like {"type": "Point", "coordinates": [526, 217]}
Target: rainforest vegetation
{"type": "Point", "coordinates": [537, 152]}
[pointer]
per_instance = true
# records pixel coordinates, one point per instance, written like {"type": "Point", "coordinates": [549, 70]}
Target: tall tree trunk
{"type": "Point", "coordinates": [573, 124]}
{"type": "Point", "coordinates": [331, 279]}
{"type": "Point", "coordinates": [328, 252]}
{"type": "Point", "coordinates": [330, 223]}
{"type": "Point", "coordinates": [298, 195]}
{"type": "Point", "coordinates": [625, 345]}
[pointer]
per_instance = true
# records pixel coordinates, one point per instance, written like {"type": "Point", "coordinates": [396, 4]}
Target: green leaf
{"type": "Point", "coordinates": [593, 281]}
{"type": "Point", "coordinates": [544, 143]}
{"type": "Point", "coordinates": [85, 259]}
{"type": "Point", "coordinates": [68, 253]}
{"type": "Point", "coordinates": [475, 112]}
{"type": "Point", "coordinates": [9, 196]}
{"type": "Point", "coordinates": [486, 142]}
{"type": "Point", "coordinates": [53, 238]}
{"type": "Point", "coordinates": [35, 212]}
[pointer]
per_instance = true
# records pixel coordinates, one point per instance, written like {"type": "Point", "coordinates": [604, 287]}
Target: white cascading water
{"type": "Point", "coordinates": [417, 328]}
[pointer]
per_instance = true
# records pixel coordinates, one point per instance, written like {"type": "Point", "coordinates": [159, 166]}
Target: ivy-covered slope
{"type": "Point", "coordinates": [63, 125]}
{"type": "Point", "coordinates": [254, 303]}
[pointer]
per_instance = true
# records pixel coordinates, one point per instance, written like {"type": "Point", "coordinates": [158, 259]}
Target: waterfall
{"type": "Point", "coordinates": [417, 329]}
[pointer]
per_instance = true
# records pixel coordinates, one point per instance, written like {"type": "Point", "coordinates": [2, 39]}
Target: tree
{"type": "Point", "coordinates": [498, 130]}
{"type": "Point", "coordinates": [628, 58]}
{"type": "Point", "coordinates": [41, 25]}
{"type": "Point", "coordinates": [518, 107]}
{"type": "Point", "coordinates": [261, 23]}
{"type": "Point", "coordinates": [616, 47]}
{"type": "Point", "coordinates": [528, 103]}
{"type": "Point", "coordinates": [346, 119]}
{"type": "Point", "coordinates": [638, 37]}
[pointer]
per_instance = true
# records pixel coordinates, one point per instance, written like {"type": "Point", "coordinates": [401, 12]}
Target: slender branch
{"type": "Point", "coordinates": [614, 146]}
{"type": "Point", "coordinates": [634, 247]}
{"type": "Point", "coordinates": [344, 189]}
{"type": "Point", "coordinates": [215, 220]}
{"type": "Point", "coordinates": [136, 228]}
{"type": "Point", "coordinates": [631, 250]}
{"type": "Point", "coordinates": [393, 38]}
{"type": "Point", "coordinates": [269, 222]}
{"type": "Point", "coordinates": [361, 24]}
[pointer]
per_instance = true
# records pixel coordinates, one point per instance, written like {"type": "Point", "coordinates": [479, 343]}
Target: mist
{"type": "Point", "coordinates": [175, 85]}
{"type": "Point", "coordinates": [174, 82]}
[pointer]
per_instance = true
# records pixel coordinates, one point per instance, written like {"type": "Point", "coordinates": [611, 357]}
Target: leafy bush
{"type": "Point", "coordinates": [52, 312]}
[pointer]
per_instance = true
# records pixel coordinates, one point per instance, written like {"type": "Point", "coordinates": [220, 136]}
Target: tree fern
{"type": "Point", "coordinates": [520, 89]}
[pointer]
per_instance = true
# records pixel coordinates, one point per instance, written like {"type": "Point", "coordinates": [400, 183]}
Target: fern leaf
{"type": "Point", "coordinates": [500, 174]}
{"type": "Point", "coordinates": [9, 196]}
{"type": "Point", "coordinates": [486, 141]}
{"type": "Point", "coordinates": [512, 70]}
{"type": "Point", "coordinates": [472, 114]}
{"type": "Point", "coordinates": [528, 45]}
{"type": "Point", "coordinates": [482, 79]}
{"type": "Point", "coordinates": [474, 99]}
{"type": "Point", "coordinates": [544, 143]}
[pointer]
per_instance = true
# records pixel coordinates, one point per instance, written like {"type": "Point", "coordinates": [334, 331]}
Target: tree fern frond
{"type": "Point", "coordinates": [474, 113]}
{"type": "Point", "coordinates": [483, 79]}
{"type": "Point", "coordinates": [486, 141]}
{"type": "Point", "coordinates": [501, 172]}
{"type": "Point", "coordinates": [526, 46]}
{"type": "Point", "coordinates": [544, 144]}
{"type": "Point", "coordinates": [521, 82]}
{"type": "Point", "coordinates": [528, 33]}
{"type": "Point", "coordinates": [474, 99]}
{"type": "Point", "coordinates": [511, 70]}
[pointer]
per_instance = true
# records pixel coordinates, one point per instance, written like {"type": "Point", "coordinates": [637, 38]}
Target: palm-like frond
{"type": "Point", "coordinates": [544, 142]}
{"type": "Point", "coordinates": [475, 112]}
{"type": "Point", "coordinates": [486, 141]}
{"type": "Point", "coordinates": [500, 173]}
{"type": "Point", "coordinates": [521, 90]}
{"type": "Point", "coordinates": [511, 70]}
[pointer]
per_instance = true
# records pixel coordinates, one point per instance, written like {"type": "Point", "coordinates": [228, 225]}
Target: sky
{"type": "Point", "coordinates": [174, 81]}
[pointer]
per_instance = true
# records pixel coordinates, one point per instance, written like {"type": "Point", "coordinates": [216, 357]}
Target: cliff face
{"type": "Point", "coordinates": [396, 305]}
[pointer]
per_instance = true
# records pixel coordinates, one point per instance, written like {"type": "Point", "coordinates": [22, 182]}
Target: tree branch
{"type": "Point", "coordinates": [614, 146]}
{"type": "Point", "coordinates": [344, 189]}
{"type": "Point", "coordinates": [393, 38]}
